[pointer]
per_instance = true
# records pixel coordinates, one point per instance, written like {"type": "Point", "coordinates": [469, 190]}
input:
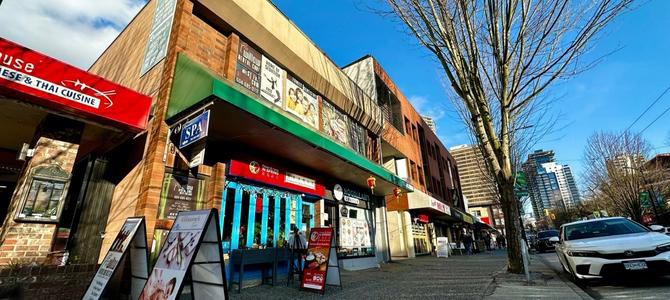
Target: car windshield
{"type": "Point", "coordinates": [602, 228]}
{"type": "Point", "coordinates": [546, 234]}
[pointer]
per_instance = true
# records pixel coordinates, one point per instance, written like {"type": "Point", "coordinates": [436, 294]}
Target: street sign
{"type": "Point", "coordinates": [194, 130]}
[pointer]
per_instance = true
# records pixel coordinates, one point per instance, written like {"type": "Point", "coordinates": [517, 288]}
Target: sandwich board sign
{"type": "Point", "coordinates": [130, 243]}
{"type": "Point", "coordinates": [191, 256]}
{"type": "Point", "coordinates": [442, 247]}
{"type": "Point", "coordinates": [318, 259]}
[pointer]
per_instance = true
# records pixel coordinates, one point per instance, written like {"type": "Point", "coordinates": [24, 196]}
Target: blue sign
{"type": "Point", "coordinates": [194, 130]}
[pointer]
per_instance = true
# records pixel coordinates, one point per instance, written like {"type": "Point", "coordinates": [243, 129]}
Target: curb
{"type": "Point", "coordinates": [579, 291]}
{"type": "Point", "coordinates": [491, 287]}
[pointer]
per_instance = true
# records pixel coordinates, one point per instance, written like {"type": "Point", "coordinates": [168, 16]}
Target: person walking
{"type": "Point", "coordinates": [467, 242]}
{"type": "Point", "coordinates": [499, 241]}
{"type": "Point", "coordinates": [487, 241]}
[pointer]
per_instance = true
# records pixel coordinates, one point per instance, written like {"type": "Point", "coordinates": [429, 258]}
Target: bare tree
{"type": "Point", "coordinates": [614, 171]}
{"type": "Point", "coordinates": [499, 56]}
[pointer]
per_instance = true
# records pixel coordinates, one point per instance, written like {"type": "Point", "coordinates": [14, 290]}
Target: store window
{"type": "Point", "coordinates": [45, 195]}
{"type": "Point", "coordinates": [355, 226]}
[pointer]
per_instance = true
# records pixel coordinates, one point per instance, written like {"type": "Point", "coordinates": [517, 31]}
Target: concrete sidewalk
{"type": "Point", "coordinates": [426, 277]}
{"type": "Point", "coordinates": [545, 284]}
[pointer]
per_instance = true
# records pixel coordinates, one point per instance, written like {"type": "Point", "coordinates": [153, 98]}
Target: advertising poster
{"type": "Point", "coordinates": [316, 261]}
{"type": "Point", "coordinates": [354, 232]}
{"type": "Point", "coordinates": [272, 82]}
{"type": "Point", "coordinates": [302, 102]}
{"type": "Point", "coordinates": [248, 68]}
{"type": "Point", "coordinates": [335, 124]}
{"type": "Point", "coordinates": [180, 193]}
{"type": "Point", "coordinates": [113, 259]}
{"type": "Point", "coordinates": [175, 256]}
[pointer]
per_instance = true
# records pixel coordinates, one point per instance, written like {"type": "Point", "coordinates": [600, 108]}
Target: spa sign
{"type": "Point", "coordinates": [42, 80]}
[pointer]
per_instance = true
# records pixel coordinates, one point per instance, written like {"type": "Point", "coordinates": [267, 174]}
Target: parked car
{"type": "Point", "coordinates": [546, 240]}
{"type": "Point", "coordinates": [607, 247]}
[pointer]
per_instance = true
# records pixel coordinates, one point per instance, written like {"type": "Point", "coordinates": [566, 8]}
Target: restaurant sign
{"type": "Point", "coordinates": [45, 81]}
{"type": "Point", "coordinates": [437, 205]}
{"type": "Point", "coordinates": [316, 261]}
{"type": "Point", "coordinates": [274, 175]}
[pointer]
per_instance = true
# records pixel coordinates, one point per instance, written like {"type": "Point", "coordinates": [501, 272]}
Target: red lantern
{"type": "Point", "coordinates": [371, 183]}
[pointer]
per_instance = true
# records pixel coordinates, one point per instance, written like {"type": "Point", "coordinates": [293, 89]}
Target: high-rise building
{"type": "Point", "coordinates": [477, 185]}
{"type": "Point", "coordinates": [430, 122]}
{"type": "Point", "coordinates": [550, 185]}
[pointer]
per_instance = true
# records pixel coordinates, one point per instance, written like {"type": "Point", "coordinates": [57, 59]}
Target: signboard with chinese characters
{"type": "Point", "coordinates": [159, 36]}
{"type": "Point", "coordinates": [194, 130]}
{"type": "Point", "coordinates": [248, 72]}
{"type": "Point", "coordinates": [192, 247]}
{"type": "Point", "coordinates": [130, 243]}
{"type": "Point", "coordinates": [272, 82]}
{"type": "Point", "coordinates": [264, 172]}
{"type": "Point", "coordinates": [33, 77]}
{"type": "Point", "coordinates": [316, 261]}
{"type": "Point", "coordinates": [437, 205]}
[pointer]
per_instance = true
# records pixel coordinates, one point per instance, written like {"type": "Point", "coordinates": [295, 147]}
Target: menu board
{"type": "Point", "coordinates": [272, 82]}
{"type": "Point", "coordinates": [301, 101]}
{"type": "Point", "coordinates": [354, 232]}
{"type": "Point", "coordinates": [248, 68]}
{"type": "Point", "coordinates": [177, 255]}
{"type": "Point", "coordinates": [316, 261]}
{"type": "Point", "coordinates": [132, 231]}
{"type": "Point", "coordinates": [180, 193]}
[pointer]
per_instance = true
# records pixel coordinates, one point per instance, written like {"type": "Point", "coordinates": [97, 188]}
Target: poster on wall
{"type": "Point", "coordinates": [354, 232]}
{"type": "Point", "coordinates": [335, 123]}
{"type": "Point", "coordinates": [180, 193]}
{"type": "Point", "coordinates": [130, 243]}
{"type": "Point", "coordinates": [248, 68]}
{"type": "Point", "coordinates": [316, 261]}
{"type": "Point", "coordinates": [191, 247]}
{"type": "Point", "coordinates": [272, 82]}
{"type": "Point", "coordinates": [159, 36]}
{"type": "Point", "coordinates": [301, 101]}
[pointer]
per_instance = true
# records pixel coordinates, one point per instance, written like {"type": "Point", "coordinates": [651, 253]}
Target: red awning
{"type": "Point", "coordinates": [36, 78]}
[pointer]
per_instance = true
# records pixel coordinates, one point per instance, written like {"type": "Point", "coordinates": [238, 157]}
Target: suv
{"type": "Point", "coordinates": [546, 240]}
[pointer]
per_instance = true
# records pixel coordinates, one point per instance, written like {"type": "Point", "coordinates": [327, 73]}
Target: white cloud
{"type": "Point", "coordinates": [427, 108]}
{"type": "Point", "coordinates": [74, 31]}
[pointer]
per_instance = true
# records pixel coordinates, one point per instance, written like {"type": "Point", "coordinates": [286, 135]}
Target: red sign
{"type": "Point", "coordinates": [423, 218]}
{"type": "Point", "coordinates": [316, 261]}
{"type": "Point", "coordinates": [42, 80]}
{"type": "Point", "coordinates": [266, 173]}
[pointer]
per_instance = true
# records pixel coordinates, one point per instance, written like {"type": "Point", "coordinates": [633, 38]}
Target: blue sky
{"type": "Point", "coordinates": [608, 97]}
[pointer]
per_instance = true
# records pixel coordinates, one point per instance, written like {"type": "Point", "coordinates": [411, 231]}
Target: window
{"type": "Point", "coordinates": [412, 167]}
{"type": "Point", "coordinates": [414, 134]}
{"type": "Point", "coordinates": [421, 176]}
{"type": "Point", "coordinates": [408, 128]}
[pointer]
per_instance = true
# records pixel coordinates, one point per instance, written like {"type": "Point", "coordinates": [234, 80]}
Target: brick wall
{"type": "Point", "coordinates": [45, 282]}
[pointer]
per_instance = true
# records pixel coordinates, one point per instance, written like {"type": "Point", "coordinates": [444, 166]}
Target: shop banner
{"type": "Point", "coordinates": [272, 82]}
{"type": "Point", "coordinates": [130, 239]}
{"type": "Point", "coordinates": [42, 80]}
{"type": "Point", "coordinates": [194, 130]}
{"type": "Point", "coordinates": [192, 247]}
{"type": "Point", "coordinates": [266, 173]}
{"type": "Point", "coordinates": [316, 261]}
{"type": "Point", "coordinates": [442, 247]}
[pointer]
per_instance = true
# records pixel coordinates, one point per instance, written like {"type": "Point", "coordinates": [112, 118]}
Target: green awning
{"type": "Point", "coordinates": [193, 84]}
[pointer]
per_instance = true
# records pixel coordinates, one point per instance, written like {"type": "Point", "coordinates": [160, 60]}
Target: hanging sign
{"type": "Point", "coordinates": [266, 173]}
{"type": "Point", "coordinates": [42, 80]}
{"type": "Point", "coordinates": [130, 239]}
{"type": "Point", "coordinates": [194, 130]}
{"type": "Point", "coordinates": [192, 247]}
{"type": "Point", "coordinates": [248, 72]}
{"type": "Point", "coordinates": [316, 261]}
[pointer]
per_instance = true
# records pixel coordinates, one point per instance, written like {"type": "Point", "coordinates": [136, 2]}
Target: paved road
{"type": "Point", "coordinates": [628, 288]}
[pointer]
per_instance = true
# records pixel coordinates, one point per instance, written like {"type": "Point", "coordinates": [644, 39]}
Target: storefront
{"type": "Point", "coordinates": [63, 127]}
{"type": "Point", "coordinates": [352, 212]}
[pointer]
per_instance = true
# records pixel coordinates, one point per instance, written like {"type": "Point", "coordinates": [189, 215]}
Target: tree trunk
{"type": "Point", "coordinates": [510, 207]}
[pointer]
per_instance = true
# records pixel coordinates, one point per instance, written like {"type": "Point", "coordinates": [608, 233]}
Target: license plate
{"type": "Point", "coordinates": [635, 265]}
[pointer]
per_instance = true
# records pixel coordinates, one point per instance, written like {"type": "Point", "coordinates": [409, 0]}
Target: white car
{"type": "Point", "coordinates": [606, 247]}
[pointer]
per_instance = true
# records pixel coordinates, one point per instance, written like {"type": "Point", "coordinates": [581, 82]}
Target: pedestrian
{"type": "Point", "coordinates": [499, 241]}
{"type": "Point", "coordinates": [467, 242]}
{"type": "Point", "coordinates": [487, 241]}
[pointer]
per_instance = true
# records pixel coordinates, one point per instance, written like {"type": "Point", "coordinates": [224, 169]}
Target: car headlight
{"type": "Point", "coordinates": [583, 253]}
{"type": "Point", "coordinates": [663, 248]}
